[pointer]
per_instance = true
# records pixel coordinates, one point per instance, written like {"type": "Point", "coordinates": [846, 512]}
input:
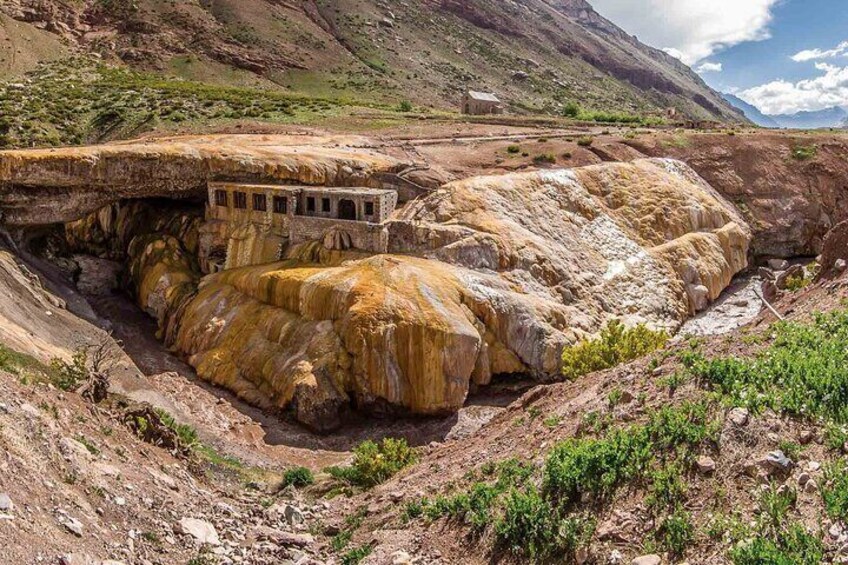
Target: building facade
{"type": "Point", "coordinates": [481, 103]}
{"type": "Point", "coordinates": [258, 222]}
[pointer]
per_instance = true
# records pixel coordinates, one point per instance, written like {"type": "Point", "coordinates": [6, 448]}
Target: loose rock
{"type": "Point", "coordinates": [652, 559]}
{"type": "Point", "coordinates": [706, 465]}
{"type": "Point", "coordinates": [200, 530]}
{"type": "Point", "coordinates": [738, 416]}
{"type": "Point", "coordinates": [6, 503]}
{"type": "Point", "coordinates": [778, 460]}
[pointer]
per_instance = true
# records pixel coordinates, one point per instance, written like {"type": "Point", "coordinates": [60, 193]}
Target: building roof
{"type": "Point", "coordinates": [483, 96]}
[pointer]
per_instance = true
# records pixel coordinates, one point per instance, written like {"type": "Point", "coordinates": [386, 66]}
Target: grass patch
{"type": "Point", "coordinates": [374, 463]}
{"type": "Point", "coordinates": [356, 555]}
{"type": "Point", "coordinates": [89, 445]}
{"type": "Point", "coordinates": [676, 532]}
{"type": "Point", "coordinates": [775, 538]}
{"type": "Point", "coordinates": [616, 344]}
{"type": "Point", "coordinates": [25, 366]}
{"type": "Point", "coordinates": [835, 490]}
{"type": "Point", "coordinates": [80, 101]}
{"type": "Point", "coordinates": [585, 141]}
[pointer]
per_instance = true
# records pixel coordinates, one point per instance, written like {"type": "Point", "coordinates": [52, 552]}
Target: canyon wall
{"type": "Point", "coordinates": [791, 188]}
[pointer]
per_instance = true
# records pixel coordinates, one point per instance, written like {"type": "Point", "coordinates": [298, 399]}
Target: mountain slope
{"type": "Point", "coordinates": [752, 112]}
{"type": "Point", "coordinates": [537, 55]}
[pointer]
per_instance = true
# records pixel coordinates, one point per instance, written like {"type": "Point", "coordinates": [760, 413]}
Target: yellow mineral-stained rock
{"type": "Point", "coordinates": [604, 239]}
{"type": "Point", "coordinates": [391, 330]}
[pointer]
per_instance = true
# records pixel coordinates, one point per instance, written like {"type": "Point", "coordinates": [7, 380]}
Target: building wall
{"type": "Point", "coordinates": [253, 237]}
{"type": "Point", "coordinates": [364, 236]}
{"type": "Point", "coordinates": [384, 204]}
{"type": "Point", "coordinates": [480, 107]}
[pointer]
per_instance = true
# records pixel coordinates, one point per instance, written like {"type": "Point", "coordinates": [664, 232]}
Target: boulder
{"type": "Point", "coordinates": [778, 264]}
{"type": "Point", "coordinates": [834, 256]}
{"type": "Point", "coordinates": [202, 531]}
{"type": "Point", "coordinates": [706, 465]}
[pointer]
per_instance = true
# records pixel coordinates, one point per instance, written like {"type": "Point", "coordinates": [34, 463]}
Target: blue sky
{"type": "Point", "coordinates": [781, 55]}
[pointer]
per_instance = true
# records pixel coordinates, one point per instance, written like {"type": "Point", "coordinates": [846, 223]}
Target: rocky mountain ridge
{"type": "Point", "coordinates": [426, 52]}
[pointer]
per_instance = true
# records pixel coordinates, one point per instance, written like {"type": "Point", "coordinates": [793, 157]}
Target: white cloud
{"type": "Point", "coordinates": [813, 54]}
{"type": "Point", "coordinates": [691, 30]}
{"type": "Point", "coordinates": [708, 67]}
{"type": "Point", "coordinates": [784, 97]}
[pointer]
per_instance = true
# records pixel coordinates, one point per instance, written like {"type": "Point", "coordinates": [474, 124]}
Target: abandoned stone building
{"type": "Point", "coordinates": [481, 103]}
{"type": "Point", "coordinates": [252, 224]}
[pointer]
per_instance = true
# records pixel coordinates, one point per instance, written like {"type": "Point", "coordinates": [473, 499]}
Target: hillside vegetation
{"type": "Point", "coordinates": [539, 56]}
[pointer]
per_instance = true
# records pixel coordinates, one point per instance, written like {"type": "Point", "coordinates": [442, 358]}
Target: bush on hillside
{"type": "Point", "coordinates": [616, 344]}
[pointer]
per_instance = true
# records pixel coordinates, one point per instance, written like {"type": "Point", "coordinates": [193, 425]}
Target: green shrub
{"type": "Point", "coordinates": [798, 282]}
{"type": "Point", "coordinates": [187, 434]}
{"type": "Point", "coordinates": [513, 149]}
{"type": "Point", "coordinates": [585, 141]}
{"type": "Point", "coordinates": [667, 488]}
{"type": "Point", "coordinates": [616, 344]}
{"type": "Point", "coordinates": [545, 158]}
{"type": "Point", "coordinates": [412, 510]}
{"type": "Point", "coordinates": [405, 106]}
{"type": "Point", "coordinates": [298, 477]}
{"type": "Point", "coordinates": [600, 465]}
{"type": "Point", "coordinates": [804, 372]}
{"type": "Point", "coordinates": [69, 376]}
{"type": "Point", "coordinates": [571, 110]}
{"type": "Point", "coordinates": [804, 152]}
{"type": "Point", "coordinates": [528, 525]}
{"type": "Point", "coordinates": [676, 532]}
{"type": "Point", "coordinates": [374, 463]}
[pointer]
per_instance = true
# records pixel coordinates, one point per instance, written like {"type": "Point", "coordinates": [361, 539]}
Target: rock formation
{"type": "Point", "coordinates": [485, 276]}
